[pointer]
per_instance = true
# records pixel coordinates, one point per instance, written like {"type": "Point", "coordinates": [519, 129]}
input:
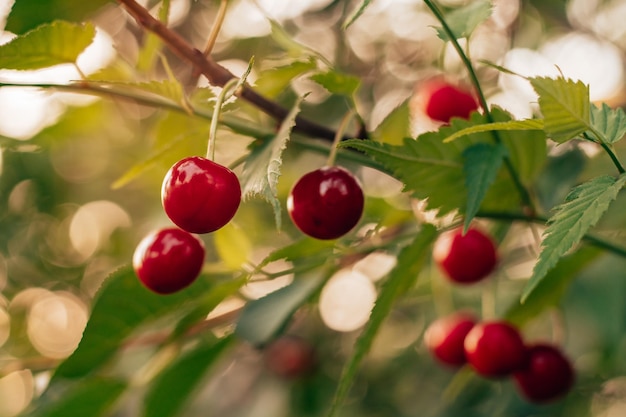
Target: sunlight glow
{"type": "Point", "coordinates": [346, 301]}
{"type": "Point", "coordinates": [93, 223]}
{"type": "Point", "coordinates": [16, 392]}
{"type": "Point", "coordinates": [26, 111]}
{"type": "Point", "coordinates": [56, 323]}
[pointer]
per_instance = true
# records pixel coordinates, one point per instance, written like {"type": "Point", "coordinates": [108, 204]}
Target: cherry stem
{"type": "Point", "coordinates": [223, 95]}
{"type": "Point", "coordinates": [217, 26]}
{"type": "Point", "coordinates": [339, 135]}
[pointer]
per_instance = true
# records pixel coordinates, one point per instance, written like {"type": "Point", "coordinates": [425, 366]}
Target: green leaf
{"type": "Point", "coordinates": [356, 14]}
{"type": "Point", "coordinates": [582, 209]}
{"type": "Point", "coordinates": [304, 249]}
{"type": "Point", "coordinates": [552, 288]}
{"type": "Point", "coordinates": [482, 163]}
{"type": "Point", "coordinates": [431, 169]}
{"type": "Point", "coordinates": [177, 136]}
{"type": "Point", "coordinates": [411, 260]}
{"type": "Point", "coordinates": [179, 381]}
{"type": "Point", "coordinates": [561, 173]}
{"type": "Point", "coordinates": [50, 44]}
{"type": "Point", "coordinates": [528, 124]}
{"type": "Point", "coordinates": [91, 397]}
{"type": "Point", "coordinates": [274, 81]}
{"type": "Point", "coordinates": [262, 319]}
{"type": "Point", "coordinates": [232, 245]}
{"type": "Point", "coordinates": [122, 305]}
{"type": "Point", "coordinates": [262, 168]}
{"type": "Point", "coordinates": [464, 20]}
{"type": "Point", "coordinates": [395, 127]}
{"type": "Point", "coordinates": [337, 83]}
{"type": "Point", "coordinates": [27, 15]}
{"type": "Point", "coordinates": [609, 123]}
{"type": "Point", "coordinates": [206, 304]}
{"type": "Point", "coordinates": [564, 105]}
{"type": "Point", "coordinates": [294, 48]}
{"type": "Point", "coordinates": [528, 152]}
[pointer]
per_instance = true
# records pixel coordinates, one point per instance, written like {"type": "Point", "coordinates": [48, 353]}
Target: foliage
{"type": "Point", "coordinates": [78, 193]}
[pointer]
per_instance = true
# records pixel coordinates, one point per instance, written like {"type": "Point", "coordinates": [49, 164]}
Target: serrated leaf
{"type": "Point", "coordinates": [396, 126]}
{"type": "Point", "coordinates": [431, 169]}
{"type": "Point", "coordinates": [564, 104]}
{"type": "Point", "coordinates": [482, 163]}
{"type": "Point", "coordinates": [337, 83]}
{"type": "Point", "coordinates": [551, 289]}
{"type": "Point", "coordinates": [274, 81]}
{"type": "Point", "coordinates": [464, 20]}
{"type": "Point", "coordinates": [91, 397]}
{"type": "Point", "coordinates": [528, 124]}
{"type": "Point", "coordinates": [262, 319]}
{"type": "Point", "coordinates": [180, 380]}
{"type": "Point", "coordinates": [356, 14]}
{"type": "Point", "coordinates": [122, 305]}
{"type": "Point", "coordinates": [232, 245]}
{"type": "Point", "coordinates": [48, 45]}
{"type": "Point", "coordinates": [609, 123]}
{"type": "Point", "coordinates": [582, 209]}
{"type": "Point", "coordinates": [411, 260]}
{"type": "Point", "coordinates": [262, 168]}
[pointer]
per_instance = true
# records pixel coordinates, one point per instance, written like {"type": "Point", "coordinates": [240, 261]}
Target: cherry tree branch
{"type": "Point", "coordinates": [216, 74]}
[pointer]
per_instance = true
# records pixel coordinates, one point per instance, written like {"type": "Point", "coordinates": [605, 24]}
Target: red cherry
{"type": "Point", "coordinates": [548, 375]}
{"type": "Point", "coordinates": [445, 337]}
{"type": "Point", "coordinates": [326, 203]}
{"type": "Point", "coordinates": [290, 357]}
{"type": "Point", "coordinates": [199, 195]}
{"type": "Point", "coordinates": [443, 101]}
{"type": "Point", "coordinates": [465, 259]}
{"type": "Point", "coordinates": [168, 260]}
{"type": "Point", "coordinates": [495, 349]}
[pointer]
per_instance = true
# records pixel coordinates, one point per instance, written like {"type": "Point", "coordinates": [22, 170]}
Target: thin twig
{"type": "Point", "coordinates": [216, 74]}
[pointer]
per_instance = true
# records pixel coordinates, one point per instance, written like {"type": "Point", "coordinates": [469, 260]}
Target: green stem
{"type": "Point", "coordinates": [607, 148]}
{"type": "Point", "coordinates": [236, 124]}
{"type": "Point", "coordinates": [215, 119]}
{"type": "Point", "coordinates": [338, 137]}
{"type": "Point", "coordinates": [589, 237]}
{"type": "Point", "coordinates": [613, 157]}
{"type": "Point", "coordinates": [525, 195]}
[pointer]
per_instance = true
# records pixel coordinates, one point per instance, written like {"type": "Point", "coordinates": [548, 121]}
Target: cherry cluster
{"type": "Point", "coordinates": [496, 349]}
{"type": "Point", "coordinates": [199, 196]}
{"type": "Point", "coordinates": [493, 349]}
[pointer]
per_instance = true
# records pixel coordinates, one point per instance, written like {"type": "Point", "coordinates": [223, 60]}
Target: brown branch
{"type": "Point", "coordinates": [217, 74]}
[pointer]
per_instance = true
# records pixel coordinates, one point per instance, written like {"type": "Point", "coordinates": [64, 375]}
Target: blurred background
{"type": "Point", "coordinates": [80, 185]}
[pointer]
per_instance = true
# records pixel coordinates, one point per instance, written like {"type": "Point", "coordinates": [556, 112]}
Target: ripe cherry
{"type": "Point", "coordinates": [199, 195]}
{"type": "Point", "coordinates": [168, 260]}
{"type": "Point", "coordinates": [445, 336]}
{"type": "Point", "coordinates": [326, 203]}
{"type": "Point", "coordinates": [290, 357]}
{"type": "Point", "coordinates": [547, 376]}
{"type": "Point", "coordinates": [443, 101]}
{"type": "Point", "coordinates": [465, 259]}
{"type": "Point", "coordinates": [495, 349]}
